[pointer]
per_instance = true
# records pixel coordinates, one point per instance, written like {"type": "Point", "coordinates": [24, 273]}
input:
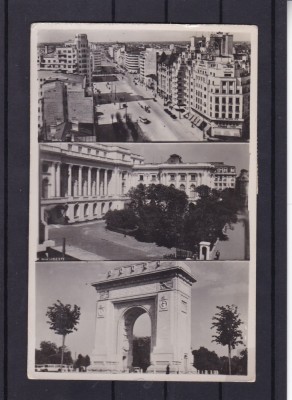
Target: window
{"type": "Point", "coordinates": [153, 178]}
{"type": "Point", "coordinates": [229, 115]}
{"type": "Point", "coordinates": [216, 115]}
{"type": "Point", "coordinates": [223, 115]}
{"type": "Point", "coordinates": [94, 208]}
{"type": "Point", "coordinates": [86, 207]}
{"type": "Point", "coordinates": [217, 100]}
{"type": "Point", "coordinates": [182, 177]}
{"type": "Point", "coordinates": [172, 177]}
{"type": "Point", "coordinates": [141, 178]}
{"type": "Point", "coordinates": [45, 168]}
{"type": "Point", "coordinates": [76, 211]}
{"type": "Point", "coordinates": [237, 100]}
{"type": "Point", "coordinates": [230, 100]}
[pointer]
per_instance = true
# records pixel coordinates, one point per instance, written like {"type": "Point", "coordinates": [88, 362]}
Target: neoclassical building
{"type": "Point", "coordinates": [81, 182]}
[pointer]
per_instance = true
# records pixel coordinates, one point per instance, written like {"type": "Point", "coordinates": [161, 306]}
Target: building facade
{"type": "Point", "coordinates": [87, 180]}
{"type": "Point", "coordinates": [147, 64]}
{"type": "Point", "coordinates": [211, 82]}
{"type": "Point", "coordinates": [132, 61]}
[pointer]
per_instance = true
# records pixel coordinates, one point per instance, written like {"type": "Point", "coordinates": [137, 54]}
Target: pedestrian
{"type": "Point", "coordinates": [217, 255]}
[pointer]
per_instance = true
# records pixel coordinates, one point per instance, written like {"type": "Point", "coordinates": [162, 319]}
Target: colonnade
{"type": "Point", "coordinates": [74, 180]}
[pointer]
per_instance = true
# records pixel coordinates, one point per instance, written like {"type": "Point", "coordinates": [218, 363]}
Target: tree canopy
{"type": "Point", "coordinates": [227, 322]}
{"type": "Point", "coordinates": [50, 353]}
{"type": "Point", "coordinates": [205, 360]}
{"type": "Point", "coordinates": [163, 215]}
{"type": "Point", "coordinates": [63, 318]}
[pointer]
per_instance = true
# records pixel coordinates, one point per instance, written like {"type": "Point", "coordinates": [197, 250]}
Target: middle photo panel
{"type": "Point", "coordinates": [147, 201]}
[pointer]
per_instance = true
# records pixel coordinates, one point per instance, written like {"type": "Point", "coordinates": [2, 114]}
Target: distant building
{"type": "Point", "coordinates": [147, 64]}
{"type": "Point", "coordinates": [72, 57]}
{"type": "Point", "coordinates": [83, 56]}
{"type": "Point", "coordinates": [95, 58]}
{"type": "Point", "coordinates": [132, 61]}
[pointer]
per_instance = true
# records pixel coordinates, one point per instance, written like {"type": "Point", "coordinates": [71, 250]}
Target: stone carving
{"type": "Point", "coordinates": [100, 311]}
{"type": "Point", "coordinates": [184, 306]}
{"type": "Point", "coordinates": [132, 268]}
{"type": "Point", "coordinates": [121, 271]}
{"type": "Point", "coordinates": [104, 295]}
{"type": "Point", "coordinates": [167, 285]}
{"type": "Point", "coordinates": [163, 304]}
{"type": "Point", "coordinates": [109, 274]}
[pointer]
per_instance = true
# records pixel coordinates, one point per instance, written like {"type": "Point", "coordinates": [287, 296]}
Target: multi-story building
{"type": "Point", "coordinates": [72, 57]}
{"type": "Point", "coordinates": [95, 58]}
{"type": "Point", "coordinates": [83, 56]}
{"type": "Point", "coordinates": [164, 75]}
{"type": "Point", "coordinates": [63, 59]}
{"type": "Point", "coordinates": [87, 180]}
{"type": "Point", "coordinates": [147, 64]}
{"type": "Point", "coordinates": [132, 61]}
{"type": "Point", "coordinates": [211, 82]}
{"type": "Point", "coordinates": [45, 80]}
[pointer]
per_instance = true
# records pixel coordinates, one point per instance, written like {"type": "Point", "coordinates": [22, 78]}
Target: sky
{"type": "Point", "coordinates": [218, 284]}
{"type": "Point", "coordinates": [231, 154]}
{"type": "Point", "coordinates": [124, 33]}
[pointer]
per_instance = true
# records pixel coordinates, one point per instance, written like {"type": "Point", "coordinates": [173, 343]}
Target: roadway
{"type": "Point", "coordinates": [161, 127]}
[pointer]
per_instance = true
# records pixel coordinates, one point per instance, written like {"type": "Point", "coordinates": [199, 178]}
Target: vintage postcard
{"type": "Point", "coordinates": [143, 190]}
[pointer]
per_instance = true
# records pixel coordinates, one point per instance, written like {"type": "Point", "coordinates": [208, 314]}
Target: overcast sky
{"type": "Point", "coordinates": [129, 33]}
{"type": "Point", "coordinates": [218, 283]}
{"type": "Point", "coordinates": [231, 154]}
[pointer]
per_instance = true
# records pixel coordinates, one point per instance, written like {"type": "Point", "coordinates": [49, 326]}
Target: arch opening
{"type": "Point", "coordinates": [135, 339]}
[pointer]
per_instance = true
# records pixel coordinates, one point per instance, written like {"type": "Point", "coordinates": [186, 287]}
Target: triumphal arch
{"type": "Point", "coordinates": [163, 291]}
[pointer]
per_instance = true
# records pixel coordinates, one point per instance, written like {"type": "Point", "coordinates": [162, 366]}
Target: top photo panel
{"type": "Point", "coordinates": [143, 83]}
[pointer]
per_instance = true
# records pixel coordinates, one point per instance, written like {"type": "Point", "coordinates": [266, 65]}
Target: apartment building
{"type": "Point", "coordinates": [211, 82]}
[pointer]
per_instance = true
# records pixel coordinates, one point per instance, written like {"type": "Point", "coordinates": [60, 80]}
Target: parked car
{"type": "Point", "coordinates": [144, 120]}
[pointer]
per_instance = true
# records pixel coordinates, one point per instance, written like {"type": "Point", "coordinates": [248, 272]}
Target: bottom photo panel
{"type": "Point", "coordinates": [156, 320]}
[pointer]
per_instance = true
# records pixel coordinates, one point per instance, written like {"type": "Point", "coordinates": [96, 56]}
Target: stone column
{"type": "Point", "coordinates": [105, 192]}
{"type": "Point", "coordinates": [69, 189]}
{"type": "Point", "coordinates": [80, 181]}
{"type": "Point", "coordinates": [58, 179]}
{"type": "Point", "coordinates": [177, 181]}
{"type": "Point", "coordinates": [97, 183]}
{"type": "Point", "coordinates": [89, 182]}
{"type": "Point", "coordinates": [187, 185]}
{"type": "Point", "coordinates": [53, 181]}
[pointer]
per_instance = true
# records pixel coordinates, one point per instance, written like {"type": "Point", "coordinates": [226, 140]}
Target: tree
{"type": "Point", "coordinates": [63, 320]}
{"type": "Point", "coordinates": [205, 360]}
{"type": "Point", "coordinates": [206, 219]}
{"type": "Point", "coordinates": [227, 323]}
{"type": "Point", "coordinates": [49, 353]}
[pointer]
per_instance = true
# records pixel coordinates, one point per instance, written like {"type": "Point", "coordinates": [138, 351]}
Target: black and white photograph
{"type": "Point", "coordinates": [143, 189]}
{"type": "Point", "coordinates": [143, 83]}
{"type": "Point", "coordinates": [143, 201]}
{"type": "Point", "coordinates": [147, 320]}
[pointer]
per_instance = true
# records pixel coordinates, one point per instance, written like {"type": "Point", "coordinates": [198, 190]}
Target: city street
{"type": "Point", "coordinates": [161, 127]}
{"type": "Point", "coordinates": [95, 238]}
